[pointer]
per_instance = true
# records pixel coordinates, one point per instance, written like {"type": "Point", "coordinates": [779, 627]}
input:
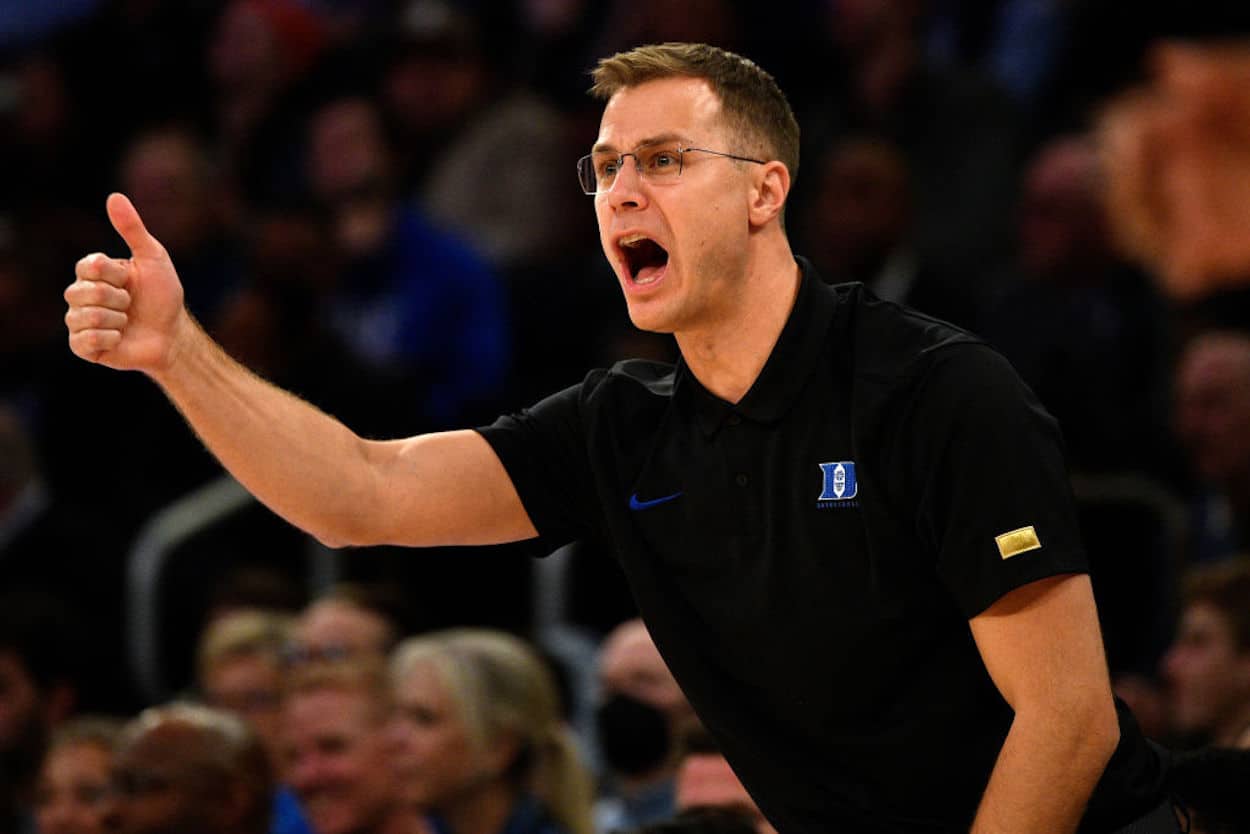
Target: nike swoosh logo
{"type": "Point", "coordinates": [635, 504]}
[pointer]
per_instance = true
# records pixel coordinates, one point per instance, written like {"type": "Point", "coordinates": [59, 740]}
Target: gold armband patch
{"type": "Point", "coordinates": [1017, 542]}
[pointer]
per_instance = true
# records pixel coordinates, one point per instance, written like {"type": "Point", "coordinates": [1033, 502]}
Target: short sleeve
{"type": "Point", "coordinates": [543, 448]}
{"type": "Point", "coordinates": [990, 483]}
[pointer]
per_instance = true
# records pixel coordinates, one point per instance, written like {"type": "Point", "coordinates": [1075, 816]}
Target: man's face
{"type": "Point", "coordinates": [160, 785]}
{"type": "Point", "coordinates": [250, 686]}
{"type": "Point", "coordinates": [72, 794]}
{"type": "Point", "coordinates": [699, 220]}
{"type": "Point", "coordinates": [632, 665]}
{"type": "Point", "coordinates": [333, 629]}
{"type": "Point", "coordinates": [1213, 406]}
{"type": "Point", "coordinates": [706, 780]}
{"type": "Point", "coordinates": [1208, 676]}
{"type": "Point", "coordinates": [336, 760]}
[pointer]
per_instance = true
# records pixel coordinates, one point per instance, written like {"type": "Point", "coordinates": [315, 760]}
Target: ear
{"type": "Point", "coordinates": [768, 193]}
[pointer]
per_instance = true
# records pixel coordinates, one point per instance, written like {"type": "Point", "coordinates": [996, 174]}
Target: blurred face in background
{"type": "Point", "coordinates": [706, 780]}
{"type": "Point", "coordinates": [1213, 406]}
{"type": "Point", "coordinates": [250, 686]}
{"type": "Point", "coordinates": [434, 754]}
{"type": "Point", "coordinates": [335, 758]}
{"type": "Point", "coordinates": [1208, 673]}
{"type": "Point", "coordinates": [163, 784]}
{"type": "Point", "coordinates": [72, 794]}
{"type": "Point", "coordinates": [333, 629]}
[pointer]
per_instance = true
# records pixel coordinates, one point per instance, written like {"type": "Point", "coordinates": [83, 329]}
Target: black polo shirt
{"type": "Point", "coordinates": [807, 559]}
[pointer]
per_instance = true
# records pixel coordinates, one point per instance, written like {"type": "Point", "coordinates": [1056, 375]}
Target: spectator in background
{"type": "Point", "coordinates": [169, 172]}
{"type": "Point", "coordinates": [1213, 423]}
{"type": "Point", "coordinates": [412, 300]}
{"type": "Point", "coordinates": [959, 133]}
{"type": "Point", "coordinates": [39, 688]}
{"type": "Point", "coordinates": [241, 670]}
{"type": "Point", "coordinates": [72, 793]}
{"type": "Point", "coordinates": [1084, 328]}
{"type": "Point", "coordinates": [350, 621]}
{"type": "Point", "coordinates": [257, 53]}
{"type": "Point", "coordinates": [641, 714]}
{"type": "Point", "coordinates": [480, 745]}
{"type": "Point", "coordinates": [859, 229]}
{"type": "Point", "coordinates": [336, 753]}
{"type": "Point", "coordinates": [478, 147]}
{"type": "Point", "coordinates": [1208, 665]}
{"type": "Point", "coordinates": [705, 780]}
{"type": "Point", "coordinates": [193, 770]}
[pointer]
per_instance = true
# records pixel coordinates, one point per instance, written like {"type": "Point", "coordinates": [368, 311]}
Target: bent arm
{"type": "Point", "coordinates": [1042, 647]}
{"type": "Point", "coordinates": [434, 489]}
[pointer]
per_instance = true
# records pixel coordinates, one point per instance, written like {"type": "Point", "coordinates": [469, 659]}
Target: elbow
{"type": "Point", "coordinates": [1095, 728]}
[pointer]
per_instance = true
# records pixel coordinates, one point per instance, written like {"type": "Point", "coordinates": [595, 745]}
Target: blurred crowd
{"type": "Point", "coordinates": [373, 204]}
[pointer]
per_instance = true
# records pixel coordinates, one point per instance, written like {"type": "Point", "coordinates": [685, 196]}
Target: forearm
{"type": "Point", "coordinates": [303, 464]}
{"type": "Point", "coordinates": [1046, 771]}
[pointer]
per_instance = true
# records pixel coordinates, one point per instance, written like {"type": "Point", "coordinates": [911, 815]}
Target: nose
{"type": "Point", "coordinates": [627, 190]}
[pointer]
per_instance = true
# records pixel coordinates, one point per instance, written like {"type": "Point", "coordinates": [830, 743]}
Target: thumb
{"type": "Point", "coordinates": [125, 219]}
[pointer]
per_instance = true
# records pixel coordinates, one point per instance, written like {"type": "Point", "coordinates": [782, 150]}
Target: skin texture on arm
{"type": "Point", "coordinates": [436, 489]}
{"type": "Point", "coordinates": [1042, 647]}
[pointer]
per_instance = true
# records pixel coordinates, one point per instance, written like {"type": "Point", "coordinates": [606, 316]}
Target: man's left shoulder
{"type": "Point", "coordinates": [892, 341]}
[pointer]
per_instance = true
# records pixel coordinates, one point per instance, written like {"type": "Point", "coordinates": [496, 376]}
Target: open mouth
{"type": "Point", "coordinates": [644, 258]}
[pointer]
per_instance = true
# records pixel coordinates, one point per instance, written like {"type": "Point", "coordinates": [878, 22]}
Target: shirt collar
{"type": "Point", "coordinates": [786, 371]}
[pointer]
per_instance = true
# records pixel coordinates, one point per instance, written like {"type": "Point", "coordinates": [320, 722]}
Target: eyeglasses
{"type": "Point", "coordinates": [657, 165]}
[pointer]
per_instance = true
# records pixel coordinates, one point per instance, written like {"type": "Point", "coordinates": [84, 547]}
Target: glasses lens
{"type": "Point", "coordinates": [586, 174]}
{"type": "Point", "coordinates": [661, 163]}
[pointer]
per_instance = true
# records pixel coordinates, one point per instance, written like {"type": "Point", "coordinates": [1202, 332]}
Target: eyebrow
{"type": "Point", "coordinates": [604, 147]}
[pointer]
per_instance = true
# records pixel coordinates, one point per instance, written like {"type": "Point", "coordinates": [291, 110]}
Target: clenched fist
{"type": "Point", "coordinates": [126, 313]}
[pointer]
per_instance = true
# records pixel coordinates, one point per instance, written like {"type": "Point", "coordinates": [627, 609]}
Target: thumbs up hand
{"type": "Point", "coordinates": [127, 313]}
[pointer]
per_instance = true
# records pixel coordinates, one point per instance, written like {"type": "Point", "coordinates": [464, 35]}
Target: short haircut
{"type": "Point", "coordinates": [243, 634]}
{"type": "Point", "coordinates": [89, 730]}
{"type": "Point", "coordinates": [752, 104]}
{"type": "Point", "coordinates": [228, 752]}
{"type": "Point", "coordinates": [1226, 587]}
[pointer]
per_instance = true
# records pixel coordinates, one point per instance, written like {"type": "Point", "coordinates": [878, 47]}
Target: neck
{"type": "Point", "coordinates": [728, 355]}
{"type": "Point", "coordinates": [483, 811]}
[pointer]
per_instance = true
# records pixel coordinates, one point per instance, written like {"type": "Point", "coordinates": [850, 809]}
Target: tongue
{"type": "Point", "coordinates": [649, 273]}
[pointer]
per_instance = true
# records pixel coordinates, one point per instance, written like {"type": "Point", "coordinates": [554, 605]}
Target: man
{"type": "Point", "coordinates": [1213, 422]}
{"type": "Point", "coordinates": [705, 780]}
{"type": "Point", "coordinates": [846, 526]}
{"type": "Point", "coordinates": [1208, 665]}
{"type": "Point", "coordinates": [191, 770]}
{"type": "Point", "coordinates": [39, 689]}
{"type": "Point", "coordinates": [337, 753]}
{"type": "Point", "coordinates": [348, 621]}
{"type": "Point", "coordinates": [641, 711]}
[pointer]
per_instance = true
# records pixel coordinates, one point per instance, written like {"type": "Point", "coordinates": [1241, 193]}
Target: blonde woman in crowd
{"type": "Point", "coordinates": [479, 740]}
{"type": "Point", "coordinates": [240, 669]}
{"type": "Point", "coordinates": [71, 796]}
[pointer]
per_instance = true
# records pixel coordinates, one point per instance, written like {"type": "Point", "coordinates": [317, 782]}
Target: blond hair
{"type": "Point", "coordinates": [242, 634]}
{"type": "Point", "coordinates": [500, 686]}
{"type": "Point", "coordinates": [752, 105]}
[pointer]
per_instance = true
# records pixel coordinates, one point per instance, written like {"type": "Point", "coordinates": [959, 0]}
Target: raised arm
{"type": "Point", "coordinates": [1042, 647]}
{"type": "Point", "coordinates": [435, 489]}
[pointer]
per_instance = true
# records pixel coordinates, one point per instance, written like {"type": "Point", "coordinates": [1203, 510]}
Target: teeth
{"type": "Point", "coordinates": [632, 240]}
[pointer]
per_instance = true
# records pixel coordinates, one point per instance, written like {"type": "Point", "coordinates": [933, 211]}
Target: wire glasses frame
{"type": "Point", "coordinates": [597, 172]}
